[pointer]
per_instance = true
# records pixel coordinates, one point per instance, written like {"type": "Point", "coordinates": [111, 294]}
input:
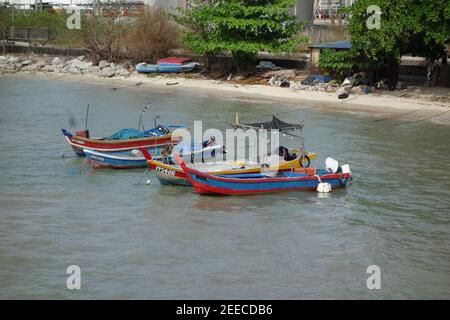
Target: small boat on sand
{"type": "Point", "coordinates": [165, 68]}
{"type": "Point", "coordinates": [257, 183]}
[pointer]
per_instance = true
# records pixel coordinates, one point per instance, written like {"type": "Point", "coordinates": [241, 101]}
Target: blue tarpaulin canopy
{"type": "Point", "coordinates": [339, 45]}
{"type": "Point", "coordinates": [125, 134]}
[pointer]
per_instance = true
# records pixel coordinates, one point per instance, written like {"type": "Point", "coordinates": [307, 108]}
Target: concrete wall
{"type": "Point", "coordinates": [168, 5]}
{"type": "Point", "coordinates": [304, 10]}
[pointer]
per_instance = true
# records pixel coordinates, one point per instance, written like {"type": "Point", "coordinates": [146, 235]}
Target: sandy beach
{"type": "Point", "coordinates": [415, 104]}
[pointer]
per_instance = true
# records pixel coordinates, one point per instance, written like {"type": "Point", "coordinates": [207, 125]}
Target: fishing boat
{"type": "Point", "coordinates": [173, 174]}
{"type": "Point", "coordinates": [135, 159]}
{"type": "Point", "coordinates": [258, 183]}
{"type": "Point", "coordinates": [165, 68]}
{"type": "Point", "coordinates": [123, 140]}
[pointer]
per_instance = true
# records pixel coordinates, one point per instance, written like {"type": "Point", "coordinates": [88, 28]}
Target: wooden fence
{"type": "Point", "coordinates": [29, 34]}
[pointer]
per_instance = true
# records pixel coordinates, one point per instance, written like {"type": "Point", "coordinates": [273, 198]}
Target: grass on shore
{"type": "Point", "coordinates": [55, 21]}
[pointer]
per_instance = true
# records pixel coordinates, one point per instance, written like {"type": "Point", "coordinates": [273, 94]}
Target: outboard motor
{"type": "Point", "coordinates": [284, 152]}
{"type": "Point", "coordinates": [209, 142]}
{"type": "Point", "coordinates": [332, 165]}
{"type": "Point", "coordinates": [163, 129]}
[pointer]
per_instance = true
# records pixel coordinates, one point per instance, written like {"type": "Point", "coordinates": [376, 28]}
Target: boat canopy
{"type": "Point", "coordinates": [275, 124]}
{"type": "Point", "coordinates": [125, 134]}
{"type": "Point", "coordinates": [131, 133]}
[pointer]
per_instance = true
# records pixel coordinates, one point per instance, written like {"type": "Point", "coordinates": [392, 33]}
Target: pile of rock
{"type": "Point", "coordinates": [317, 83]}
{"type": "Point", "coordinates": [12, 64]}
{"type": "Point", "coordinates": [358, 84]}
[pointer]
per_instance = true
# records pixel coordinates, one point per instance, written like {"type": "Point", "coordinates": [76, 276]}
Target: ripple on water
{"type": "Point", "coordinates": [147, 241]}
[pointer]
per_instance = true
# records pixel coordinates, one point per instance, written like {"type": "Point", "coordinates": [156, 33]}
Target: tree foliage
{"type": "Point", "coordinates": [5, 21]}
{"type": "Point", "coordinates": [418, 27]}
{"type": "Point", "coordinates": [338, 64]}
{"type": "Point", "coordinates": [242, 27]}
{"type": "Point", "coordinates": [152, 35]}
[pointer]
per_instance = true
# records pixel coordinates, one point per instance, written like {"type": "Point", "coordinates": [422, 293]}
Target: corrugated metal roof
{"type": "Point", "coordinates": [333, 45]}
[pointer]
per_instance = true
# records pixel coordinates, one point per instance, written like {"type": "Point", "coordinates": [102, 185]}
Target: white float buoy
{"type": "Point", "coordinates": [324, 187]}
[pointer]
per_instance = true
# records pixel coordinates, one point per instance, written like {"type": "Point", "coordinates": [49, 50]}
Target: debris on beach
{"type": "Point", "coordinates": [342, 93]}
{"type": "Point", "coordinates": [279, 81]}
{"type": "Point", "coordinates": [280, 78]}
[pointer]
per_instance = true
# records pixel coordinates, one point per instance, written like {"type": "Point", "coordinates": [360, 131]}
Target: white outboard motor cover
{"type": "Point", "coordinates": [345, 168]}
{"type": "Point", "coordinates": [331, 165]}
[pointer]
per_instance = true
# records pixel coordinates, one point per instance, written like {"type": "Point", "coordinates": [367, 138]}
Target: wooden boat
{"type": "Point", "coordinates": [157, 137]}
{"type": "Point", "coordinates": [165, 68]}
{"type": "Point", "coordinates": [134, 158]}
{"type": "Point", "coordinates": [171, 174]}
{"type": "Point", "coordinates": [258, 183]}
{"type": "Point", "coordinates": [170, 61]}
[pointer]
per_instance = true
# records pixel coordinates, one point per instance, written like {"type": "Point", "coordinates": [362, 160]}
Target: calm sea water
{"type": "Point", "coordinates": [147, 241]}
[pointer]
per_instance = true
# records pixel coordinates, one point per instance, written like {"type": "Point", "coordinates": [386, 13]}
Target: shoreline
{"type": "Point", "coordinates": [412, 105]}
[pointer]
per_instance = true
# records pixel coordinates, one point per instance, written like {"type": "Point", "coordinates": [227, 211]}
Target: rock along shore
{"type": "Point", "coordinates": [416, 103]}
{"type": "Point", "coordinates": [69, 65]}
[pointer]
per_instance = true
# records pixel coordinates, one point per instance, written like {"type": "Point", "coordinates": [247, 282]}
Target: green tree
{"type": "Point", "coordinates": [420, 27]}
{"type": "Point", "coordinates": [383, 46]}
{"type": "Point", "coordinates": [431, 31]}
{"type": "Point", "coordinates": [242, 27]}
{"type": "Point", "coordinates": [5, 21]}
{"type": "Point", "coordinates": [338, 64]}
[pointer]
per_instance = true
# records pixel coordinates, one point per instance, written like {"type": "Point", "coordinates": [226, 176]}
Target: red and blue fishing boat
{"type": "Point", "coordinates": [135, 158]}
{"type": "Point", "coordinates": [172, 174]}
{"type": "Point", "coordinates": [258, 183]}
{"type": "Point", "coordinates": [123, 140]}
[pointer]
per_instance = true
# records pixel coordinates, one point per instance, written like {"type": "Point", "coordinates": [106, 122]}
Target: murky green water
{"type": "Point", "coordinates": [139, 241]}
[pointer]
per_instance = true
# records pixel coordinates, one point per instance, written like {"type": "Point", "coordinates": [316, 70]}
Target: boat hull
{"type": "Point", "coordinates": [128, 160]}
{"type": "Point", "coordinates": [165, 68]}
{"type": "Point", "coordinates": [99, 160]}
{"type": "Point", "coordinates": [174, 175]}
{"type": "Point", "coordinates": [79, 143]}
{"type": "Point", "coordinates": [266, 185]}
{"type": "Point", "coordinates": [210, 184]}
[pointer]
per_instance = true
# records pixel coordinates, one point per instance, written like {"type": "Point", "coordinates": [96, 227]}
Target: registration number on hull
{"type": "Point", "coordinates": [165, 171]}
{"type": "Point", "coordinates": [94, 157]}
{"type": "Point", "coordinates": [77, 141]}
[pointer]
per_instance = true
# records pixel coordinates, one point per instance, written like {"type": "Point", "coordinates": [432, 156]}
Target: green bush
{"type": "Point", "coordinates": [338, 63]}
{"type": "Point", "coordinates": [56, 21]}
{"type": "Point", "coordinates": [5, 21]}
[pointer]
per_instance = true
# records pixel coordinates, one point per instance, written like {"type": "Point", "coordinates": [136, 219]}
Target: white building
{"type": "Point", "coordinates": [305, 10]}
